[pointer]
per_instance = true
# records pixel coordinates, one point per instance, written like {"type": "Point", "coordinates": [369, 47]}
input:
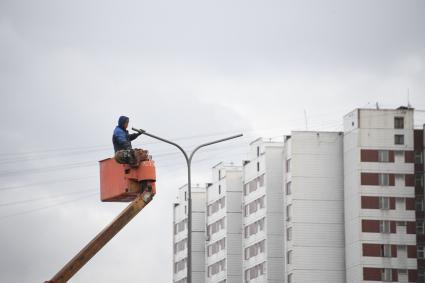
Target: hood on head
{"type": "Point", "coordinates": [122, 120]}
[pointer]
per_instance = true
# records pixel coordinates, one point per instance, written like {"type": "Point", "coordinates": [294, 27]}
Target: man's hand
{"type": "Point", "coordinates": [139, 131]}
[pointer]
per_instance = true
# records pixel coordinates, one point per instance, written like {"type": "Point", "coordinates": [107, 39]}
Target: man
{"type": "Point", "coordinates": [124, 153]}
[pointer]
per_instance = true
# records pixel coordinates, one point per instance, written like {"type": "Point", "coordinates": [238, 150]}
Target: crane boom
{"type": "Point", "coordinates": [95, 245]}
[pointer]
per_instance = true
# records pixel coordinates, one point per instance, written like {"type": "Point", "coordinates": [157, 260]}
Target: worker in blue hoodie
{"type": "Point", "coordinates": [124, 152]}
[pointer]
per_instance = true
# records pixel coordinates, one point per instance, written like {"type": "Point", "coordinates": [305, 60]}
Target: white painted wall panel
{"type": "Point", "coordinates": [317, 220]}
{"type": "Point", "coordinates": [319, 276]}
{"type": "Point", "coordinates": [318, 234]}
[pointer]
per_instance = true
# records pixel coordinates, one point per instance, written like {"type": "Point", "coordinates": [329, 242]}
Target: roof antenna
{"type": "Point", "coordinates": [408, 99]}
{"type": "Point", "coordinates": [377, 106]}
{"type": "Point", "coordinates": [306, 120]}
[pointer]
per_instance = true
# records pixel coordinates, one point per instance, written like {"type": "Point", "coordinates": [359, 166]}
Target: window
{"type": "Point", "coordinates": [216, 206]}
{"type": "Point", "coordinates": [255, 271]}
{"type": "Point", "coordinates": [420, 227]}
{"type": "Point", "coordinates": [288, 188]}
{"type": "Point", "coordinates": [178, 227]}
{"type": "Point", "coordinates": [216, 247]}
{"type": "Point", "coordinates": [383, 156]}
{"type": "Point", "coordinates": [258, 166]}
{"type": "Point", "coordinates": [399, 139]}
{"type": "Point", "coordinates": [386, 250]}
{"type": "Point", "coordinates": [421, 276]}
{"type": "Point", "coordinates": [261, 180]}
{"type": "Point", "coordinates": [251, 186]}
{"type": "Point", "coordinates": [419, 179]}
{"type": "Point", "coordinates": [421, 252]}
{"type": "Point", "coordinates": [185, 209]}
{"type": "Point", "coordinates": [384, 202]}
{"type": "Point", "coordinates": [384, 179]}
{"type": "Point", "coordinates": [185, 195]}
{"type": "Point", "coordinates": [255, 249]}
{"type": "Point", "coordinates": [289, 234]}
{"type": "Point", "coordinates": [258, 151]}
{"type": "Point", "coordinates": [401, 249]}
{"type": "Point", "coordinates": [290, 278]}
{"type": "Point", "coordinates": [386, 275]}
{"type": "Point", "coordinates": [384, 226]}
{"type": "Point", "coordinates": [219, 174]}
{"type": "Point", "coordinates": [246, 189]}
{"type": "Point", "coordinates": [288, 165]}
{"type": "Point", "coordinates": [289, 212]}
{"type": "Point", "coordinates": [255, 205]}
{"type": "Point", "coordinates": [254, 228]}
{"type": "Point", "coordinates": [399, 179]}
{"type": "Point", "coordinates": [216, 267]}
{"type": "Point", "coordinates": [289, 255]}
{"type": "Point", "coordinates": [179, 246]}
{"type": "Point", "coordinates": [402, 272]}
{"type": "Point", "coordinates": [254, 184]}
{"type": "Point", "coordinates": [419, 158]}
{"type": "Point", "coordinates": [401, 223]}
{"type": "Point", "coordinates": [216, 226]}
{"type": "Point", "coordinates": [219, 189]}
{"type": "Point", "coordinates": [399, 122]}
{"type": "Point", "coordinates": [180, 265]}
{"type": "Point", "coordinates": [419, 205]}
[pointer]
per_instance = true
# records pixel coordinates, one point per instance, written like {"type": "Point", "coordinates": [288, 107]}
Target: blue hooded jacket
{"type": "Point", "coordinates": [121, 138]}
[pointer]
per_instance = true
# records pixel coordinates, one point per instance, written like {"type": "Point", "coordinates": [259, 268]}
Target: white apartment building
{"type": "Point", "coordinates": [379, 196]}
{"type": "Point", "coordinates": [223, 251]}
{"type": "Point", "coordinates": [314, 204]}
{"type": "Point", "coordinates": [263, 245]}
{"type": "Point", "coordinates": [180, 235]}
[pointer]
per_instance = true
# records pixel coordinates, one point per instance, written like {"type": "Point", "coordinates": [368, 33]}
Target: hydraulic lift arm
{"type": "Point", "coordinates": [102, 238]}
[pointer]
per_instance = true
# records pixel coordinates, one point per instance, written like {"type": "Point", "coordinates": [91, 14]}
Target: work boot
{"type": "Point", "coordinates": [141, 155]}
{"type": "Point", "coordinates": [144, 187]}
{"type": "Point", "coordinates": [123, 156]}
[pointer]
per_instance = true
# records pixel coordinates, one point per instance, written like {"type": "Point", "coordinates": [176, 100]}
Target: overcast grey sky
{"type": "Point", "coordinates": [192, 70]}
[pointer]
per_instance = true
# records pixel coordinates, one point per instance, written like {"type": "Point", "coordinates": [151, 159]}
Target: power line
{"type": "Point", "coordinates": [92, 148]}
{"type": "Point", "coordinates": [43, 198]}
{"type": "Point", "coordinates": [90, 177]}
{"type": "Point", "coordinates": [109, 146]}
{"type": "Point", "coordinates": [157, 156]}
{"type": "Point", "coordinates": [44, 183]}
{"type": "Point", "coordinates": [91, 163]}
{"type": "Point", "coordinates": [30, 157]}
{"type": "Point", "coordinates": [57, 196]}
{"type": "Point", "coordinates": [49, 168]}
{"type": "Point", "coordinates": [105, 146]}
{"type": "Point", "coordinates": [45, 207]}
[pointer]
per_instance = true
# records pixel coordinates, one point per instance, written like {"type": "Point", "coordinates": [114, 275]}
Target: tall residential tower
{"type": "Point", "coordinates": [314, 205]}
{"type": "Point", "coordinates": [180, 235]}
{"type": "Point", "coordinates": [263, 245]}
{"type": "Point", "coordinates": [224, 225]}
{"type": "Point", "coordinates": [380, 221]}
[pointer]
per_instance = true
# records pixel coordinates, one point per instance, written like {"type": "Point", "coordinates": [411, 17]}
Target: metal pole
{"type": "Point", "coordinates": [189, 219]}
{"type": "Point", "coordinates": [189, 190]}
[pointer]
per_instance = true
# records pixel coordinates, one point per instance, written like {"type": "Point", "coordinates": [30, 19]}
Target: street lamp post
{"type": "Point", "coordinates": [189, 189]}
